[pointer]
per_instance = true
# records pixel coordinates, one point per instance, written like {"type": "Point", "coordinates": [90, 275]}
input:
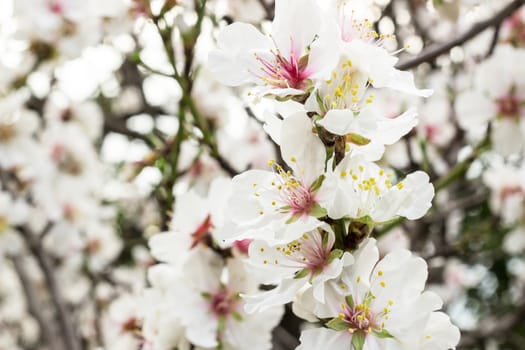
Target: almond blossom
{"type": "Point", "coordinates": [281, 205]}
{"type": "Point", "coordinates": [381, 305]}
{"type": "Point", "coordinates": [283, 63]}
{"type": "Point", "coordinates": [309, 261]}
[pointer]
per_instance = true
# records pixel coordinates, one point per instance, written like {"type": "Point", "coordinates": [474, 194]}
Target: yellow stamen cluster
{"type": "Point", "coordinates": [375, 184]}
{"type": "Point", "coordinates": [344, 89]}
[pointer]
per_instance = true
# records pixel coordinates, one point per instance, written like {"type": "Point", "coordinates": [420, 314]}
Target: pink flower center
{"type": "Point", "coordinates": [431, 132]}
{"type": "Point", "coordinates": [56, 7]}
{"type": "Point", "coordinates": [282, 72]}
{"type": "Point", "coordinates": [517, 28]}
{"type": "Point", "coordinates": [358, 318]}
{"type": "Point", "coordinates": [509, 106]}
{"type": "Point", "coordinates": [223, 303]}
{"type": "Point", "coordinates": [243, 245]}
{"type": "Point", "coordinates": [510, 191]}
{"type": "Point", "coordinates": [299, 197]}
{"type": "Point", "coordinates": [308, 252]}
{"type": "Point", "coordinates": [202, 230]}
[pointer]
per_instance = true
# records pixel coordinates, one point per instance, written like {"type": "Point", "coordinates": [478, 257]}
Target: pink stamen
{"type": "Point", "coordinates": [509, 106]}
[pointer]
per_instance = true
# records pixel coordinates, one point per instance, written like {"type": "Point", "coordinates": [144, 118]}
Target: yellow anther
{"type": "Point", "coordinates": [400, 185]}
{"type": "Point", "coordinates": [383, 284]}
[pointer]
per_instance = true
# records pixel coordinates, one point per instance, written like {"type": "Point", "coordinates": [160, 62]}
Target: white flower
{"type": "Point", "coordinates": [17, 126]}
{"type": "Point", "coordinates": [282, 64]}
{"type": "Point", "coordinates": [368, 131]}
{"type": "Point", "coordinates": [212, 311]}
{"type": "Point", "coordinates": [497, 98]}
{"type": "Point", "coordinates": [308, 261]}
{"type": "Point", "coordinates": [381, 305]}
{"type": "Point", "coordinates": [194, 222]}
{"type": "Point", "coordinates": [279, 206]}
{"type": "Point", "coordinates": [12, 213]}
{"type": "Point", "coordinates": [363, 190]}
{"type": "Point", "coordinates": [507, 185]}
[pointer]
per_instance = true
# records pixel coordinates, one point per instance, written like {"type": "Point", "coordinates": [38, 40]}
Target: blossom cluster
{"type": "Point", "coordinates": [233, 174]}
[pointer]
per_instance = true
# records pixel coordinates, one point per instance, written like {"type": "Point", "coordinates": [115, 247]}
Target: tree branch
{"type": "Point", "coordinates": [63, 315]}
{"type": "Point", "coordinates": [436, 51]}
{"type": "Point", "coordinates": [33, 304]}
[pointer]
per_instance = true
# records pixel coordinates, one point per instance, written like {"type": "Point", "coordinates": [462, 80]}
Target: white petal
{"type": "Point", "coordinates": [404, 82]}
{"type": "Point", "coordinates": [301, 149]}
{"type": "Point", "coordinates": [324, 338]}
{"type": "Point", "coordinates": [233, 59]}
{"type": "Point", "coordinates": [474, 110]}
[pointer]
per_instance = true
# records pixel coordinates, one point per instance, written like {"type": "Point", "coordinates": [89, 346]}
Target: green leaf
{"type": "Point", "coordinates": [382, 334]}
{"type": "Point", "coordinates": [358, 340]}
{"type": "Point", "coordinates": [317, 211]}
{"type": "Point", "coordinates": [302, 273]}
{"type": "Point", "coordinates": [350, 301]}
{"type": "Point", "coordinates": [337, 324]}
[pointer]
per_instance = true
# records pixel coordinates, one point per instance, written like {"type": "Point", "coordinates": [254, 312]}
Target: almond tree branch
{"type": "Point", "coordinates": [63, 315]}
{"type": "Point", "coordinates": [46, 330]}
{"type": "Point", "coordinates": [437, 50]}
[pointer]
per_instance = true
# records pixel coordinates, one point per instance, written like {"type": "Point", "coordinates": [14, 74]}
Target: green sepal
{"type": "Point", "coordinates": [357, 139]}
{"type": "Point", "coordinates": [382, 334]}
{"type": "Point", "coordinates": [337, 324]}
{"type": "Point", "coordinates": [303, 62]}
{"type": "Point", "coordinates": [221, 324]}
{"type": "Point", "coordinates": [320, 102]}
{"type": "Point", "coordinates": [358, 340]}
{"type": "Point", "coordinates": [301, 274]}
{"type": "Point", "coordinates": [206, 295]}
{"type": "Point", "coordinates": [335, 254]}
{"type": "Point", "coordinates": [317, 183]}
{"type": "Point", "coordinates": [237, 316]}
{"type": "Point", "coordinates": [292, 219]}
{"type": "Point", "coordinates": [317, 211]}
{"type": "Point", "coordinates": [350, 301]}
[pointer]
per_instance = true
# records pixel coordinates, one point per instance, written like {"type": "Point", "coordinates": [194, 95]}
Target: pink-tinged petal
{"type": "Point", "coordinates": [296, 24]}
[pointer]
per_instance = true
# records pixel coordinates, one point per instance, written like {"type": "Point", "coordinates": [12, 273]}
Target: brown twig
{"type": "Point", "coordinates": [33, 304]}
{"type": "Point", "coordinates": [436, 51]}
{"type": "Point", "coordinates": [63, 315]}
